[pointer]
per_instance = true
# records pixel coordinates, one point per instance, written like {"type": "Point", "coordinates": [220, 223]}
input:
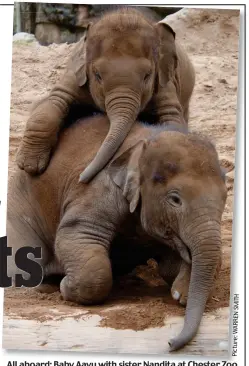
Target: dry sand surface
{"type": "Point", "coordinates": [211, 39]}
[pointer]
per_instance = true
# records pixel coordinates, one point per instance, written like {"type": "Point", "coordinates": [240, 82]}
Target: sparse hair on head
{"type": "Point", "coordinates": [122, 19]}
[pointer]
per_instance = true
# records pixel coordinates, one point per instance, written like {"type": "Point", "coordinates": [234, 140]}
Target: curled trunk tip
{"type": "Point", "coordinates": [204, 265]}
{"type": "Point", "coordinates": [180, 341]}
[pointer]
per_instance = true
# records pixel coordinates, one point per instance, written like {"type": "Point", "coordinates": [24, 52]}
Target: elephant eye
{"type": "Point", "coordinates": [147, 76]}
{"type": "Point", "coordinates": [97, 76]}
{"type": "Point", "coordinates": [174, 199]}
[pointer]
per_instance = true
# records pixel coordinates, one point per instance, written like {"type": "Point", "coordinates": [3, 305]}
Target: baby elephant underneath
{"type": "Point", "coordinates": [165, 184]}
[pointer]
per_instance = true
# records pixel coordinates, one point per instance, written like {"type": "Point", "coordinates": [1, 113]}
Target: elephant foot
{"type": "Point", "coordinates": [33, 160]}
{"type": "Point", "coordinates": [85, 292]}
{"type": "Point", "coordinates": [180, 286]}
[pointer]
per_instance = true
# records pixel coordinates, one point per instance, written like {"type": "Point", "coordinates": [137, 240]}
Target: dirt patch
{"type": "Point", "coordinates": [211, 39]}
{"type": "Point", "coordinates": [136, 302]}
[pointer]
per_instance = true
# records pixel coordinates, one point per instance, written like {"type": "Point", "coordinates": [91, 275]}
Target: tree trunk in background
{"type": "Point", "coordinates": [18, 17]}
{"type": "Point", "coordinates": [28, 15]}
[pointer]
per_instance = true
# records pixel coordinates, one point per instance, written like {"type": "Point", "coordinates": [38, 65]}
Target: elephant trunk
{"type": "Point", "coordinates": [122, 109]}
{"type": "Point", "coordinates": [205, 259]}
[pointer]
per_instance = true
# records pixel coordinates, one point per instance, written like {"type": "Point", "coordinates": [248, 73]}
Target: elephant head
{"type": "Point", "coordinates": [175, 182]}
{"type": "Point", "coordinates": [122, 58]}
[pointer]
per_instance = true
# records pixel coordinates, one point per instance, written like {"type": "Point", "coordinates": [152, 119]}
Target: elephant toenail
{"type": "Point", "coordinates": [176, 295]}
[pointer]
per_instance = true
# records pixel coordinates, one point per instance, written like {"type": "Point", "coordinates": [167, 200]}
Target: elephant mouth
{"type": "Point", "coordinates": [182, 249]}
{"type": "Point", "coordinates": [178, 244]}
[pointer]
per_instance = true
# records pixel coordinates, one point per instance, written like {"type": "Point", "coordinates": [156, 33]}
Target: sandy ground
{"type": "Point", "coordinates": [211, 39]}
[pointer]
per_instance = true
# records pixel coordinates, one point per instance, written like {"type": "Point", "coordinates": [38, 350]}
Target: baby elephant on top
{"type": "Point", "coordinates": [165, 184]}
{"type": "Point", "coordinates": [125, 65]}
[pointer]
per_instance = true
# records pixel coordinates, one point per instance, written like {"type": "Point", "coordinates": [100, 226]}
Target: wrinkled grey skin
{"type": "Point", "coordinates": [162, 184]}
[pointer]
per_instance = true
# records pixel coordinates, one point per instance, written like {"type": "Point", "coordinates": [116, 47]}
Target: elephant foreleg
{"type": "Point", "coordinates": [168, 106]}
{"type": "Point", "coordinates": [44, 124]}
{"type": "Point", "coordinates": [85, 259]}
{"type": "Point", "coordinates": [180, 287]}
{"type": "Point", "coordinates": [176, 273]}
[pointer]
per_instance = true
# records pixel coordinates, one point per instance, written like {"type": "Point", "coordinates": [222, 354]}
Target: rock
{"type": "Point", "coordinates": [25, 37]}
{"type": "Point", "coordinates": [222, 81]}
{"type": "Point", "coordinates": [208, 85]}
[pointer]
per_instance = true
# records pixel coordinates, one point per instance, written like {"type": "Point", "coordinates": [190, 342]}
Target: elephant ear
{"type": "Point", "coordinates": [124, 172]}
{"type": "Point", "coordinates": [78, 59]}
{"type": "Point", "coordinates": [167, 56]}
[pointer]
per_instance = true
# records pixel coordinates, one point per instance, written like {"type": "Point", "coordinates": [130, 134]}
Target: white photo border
{"type": "Point", "coordinates": [238, 281]}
